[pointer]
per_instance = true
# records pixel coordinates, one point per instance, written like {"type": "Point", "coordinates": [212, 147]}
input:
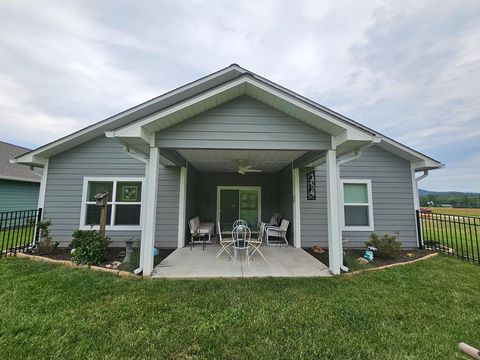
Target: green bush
{"type": "Point", "coordinates": [387, 245]}
{"type": "Point", "coordinates": [88, 247]}
{"type": "Point", "coordinates": [45, 245]}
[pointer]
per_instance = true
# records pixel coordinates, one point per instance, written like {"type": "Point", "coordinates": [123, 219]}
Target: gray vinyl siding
{"type": "Point", "coordinates": [63, 197]}
{"type": "Point", "coordinates": [285, 196]}
{"type": "Point", "coordinates": [392, 193]}
{"type": "Point", "coordinates": [168, 196]}
{"type": "Point", "coordinates": [18, 195]}
{"type": "Point", "coordinates": [243, 123]}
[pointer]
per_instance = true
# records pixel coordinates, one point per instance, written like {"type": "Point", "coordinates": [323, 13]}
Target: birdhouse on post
{"type": "Point", "coordinates": [102, 200]}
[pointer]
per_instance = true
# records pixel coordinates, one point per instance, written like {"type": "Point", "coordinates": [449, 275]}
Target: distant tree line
{"type": "Point", "coordinates": [459, 200]}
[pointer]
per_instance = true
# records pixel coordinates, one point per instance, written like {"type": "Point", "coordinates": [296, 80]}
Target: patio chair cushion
{"type": "Point", "coordinates": [197, 227]}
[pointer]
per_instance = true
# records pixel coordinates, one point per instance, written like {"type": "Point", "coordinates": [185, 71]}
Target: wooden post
{"type": "Point", "coordinates": [103, 219]}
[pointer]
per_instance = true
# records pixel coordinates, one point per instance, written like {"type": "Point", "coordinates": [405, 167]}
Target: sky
{"type": "Point", "coordinates": [408, 69]}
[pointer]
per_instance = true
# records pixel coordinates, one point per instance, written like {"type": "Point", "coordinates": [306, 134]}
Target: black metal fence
{"type": "Point", "coordinates": [18, 230]}
{"type": "Point", "coordinates": [454, 235]}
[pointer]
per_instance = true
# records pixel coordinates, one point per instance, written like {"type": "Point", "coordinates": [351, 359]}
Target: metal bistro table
{"type": "Point", "coordinates": [241, 235]}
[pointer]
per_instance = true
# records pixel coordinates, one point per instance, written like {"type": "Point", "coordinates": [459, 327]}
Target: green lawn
{"type": "Point", "coordinates": [460, 234]}
{"type": "Point", "coordinates": [16, 237]}
{"type": "Point", "coordinates": [417, 311]}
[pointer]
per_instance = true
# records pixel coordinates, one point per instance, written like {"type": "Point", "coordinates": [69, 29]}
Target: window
{"type": "Point", "coordinates": [357, 205]}
{"type": "Point", "coordinates": [123, 204]}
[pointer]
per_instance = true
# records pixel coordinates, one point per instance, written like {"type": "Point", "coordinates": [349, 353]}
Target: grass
{"type": "Point", "coordinates": [417, 311]}
{"type": "Point", "coordinates": [16, 237]}
{"type": "Point", "coordinates": [456, 211]}
{"type": "Point", "coordinates": [460, 234]}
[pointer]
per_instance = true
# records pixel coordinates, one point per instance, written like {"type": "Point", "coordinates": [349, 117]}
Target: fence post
{"type": "Point", "coordinates": [37, 229]}
{"type": "Point", "coordinates": [419, 230]}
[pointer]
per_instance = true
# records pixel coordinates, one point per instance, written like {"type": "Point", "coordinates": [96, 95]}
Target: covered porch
{"type": "Point", "coordinates": [279, 262]}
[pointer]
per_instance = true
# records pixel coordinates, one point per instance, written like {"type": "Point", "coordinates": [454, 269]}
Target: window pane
{"type": "Point", "coordinates": [356, 216]}
{"type": "Point", "coordinates": [93, 214]}
{"type": "Point", "coordinates": [95, 187]}
{"type": "Point", "coordinates": [129, 191]}
{"type": "Point", "coordinates": [249, 207]}
{"type": "Point", "coordinates": [127, 215]}
{"type": "Point", "coordinates": [355, 193]}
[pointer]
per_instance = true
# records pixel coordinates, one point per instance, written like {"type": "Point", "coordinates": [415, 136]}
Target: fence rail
{"type": "Point", "coordinates": [18, 230]}
{"type": "Point", "coordinates": [454, 235]}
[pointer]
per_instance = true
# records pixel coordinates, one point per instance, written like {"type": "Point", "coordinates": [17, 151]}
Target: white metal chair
{"type": "Point", "coordinates": [239, 222]}
{"type": "Point", "coordinates": [241, 235]}
{"type": "Point", "coordinates": [256, 243]}
{"type": "Point", "coordinates": [278, 231]}
{"type": "Point", "coordinates": [224, 243]}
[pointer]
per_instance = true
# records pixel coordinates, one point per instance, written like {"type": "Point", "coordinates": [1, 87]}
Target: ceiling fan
{"type": "Point", "coordinates": [242, 169]}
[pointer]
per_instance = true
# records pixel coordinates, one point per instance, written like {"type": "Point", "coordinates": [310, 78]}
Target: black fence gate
{"type": "Point", "coordinates": [18, 230]}
{"type": "Point", "coordinates": [454, 235]}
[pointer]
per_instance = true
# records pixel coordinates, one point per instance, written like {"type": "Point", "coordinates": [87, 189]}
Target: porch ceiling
{"type": "Point", "coordinates": [227, 160]}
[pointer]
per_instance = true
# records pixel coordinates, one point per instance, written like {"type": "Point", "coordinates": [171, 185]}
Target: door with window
{"type": "Point", "coordinates": [234, 203]}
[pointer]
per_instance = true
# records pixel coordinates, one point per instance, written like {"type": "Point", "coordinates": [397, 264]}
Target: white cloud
{"type": "Point", "coordinates": [410, 69]}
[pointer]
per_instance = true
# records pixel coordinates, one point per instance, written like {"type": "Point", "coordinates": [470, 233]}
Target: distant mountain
{"type": "Point", "coordinates": [453, 198]}
{"type": "Point", "coordinates": [423, 192]}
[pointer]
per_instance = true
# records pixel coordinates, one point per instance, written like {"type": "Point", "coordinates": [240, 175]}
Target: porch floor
{"type": "Point", "coordinates": [198, 263]}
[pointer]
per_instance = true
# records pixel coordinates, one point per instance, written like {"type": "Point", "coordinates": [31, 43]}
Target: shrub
{"type": "Point", "coordinates": [387, 245]}
{"type": "Point", "coordinates": [45, 245]}
{"type": "Point", "coordinates": [88, 247]}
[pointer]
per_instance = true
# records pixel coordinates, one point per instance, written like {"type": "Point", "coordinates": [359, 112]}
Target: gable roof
{"type": "Point", "coordinates": [16, 172]}
{"type": "Point", "coordinates": [227, 78]}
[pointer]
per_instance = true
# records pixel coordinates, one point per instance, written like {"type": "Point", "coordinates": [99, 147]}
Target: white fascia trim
{"type": "Point", "coordinates": [132, 129]}
{"type": "Point", "coordinates": [371, 226]}
{"type": "Point", "coordinates": [43, 187]}
{"type": "Point", "coordinates": [27, 157]}
{"type": "Point", "coordinates": [115, 179]}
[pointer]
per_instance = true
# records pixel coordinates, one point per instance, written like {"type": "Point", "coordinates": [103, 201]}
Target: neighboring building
{"type": "Point", "coordinates": [189, 152]}
{"type": "Point", "coordinates": [19, 185]}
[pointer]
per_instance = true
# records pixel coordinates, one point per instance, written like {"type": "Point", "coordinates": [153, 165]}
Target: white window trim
{"type": "Point", "coordinates": [368, 182]}
{"type": "Point", "coordinates": [86, 180]}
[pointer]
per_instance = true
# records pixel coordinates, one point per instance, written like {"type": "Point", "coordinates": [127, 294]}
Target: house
{"type": "Point", "coordinates": [182, 154]}
{"type": "Point", "coordinates": [19, 185]}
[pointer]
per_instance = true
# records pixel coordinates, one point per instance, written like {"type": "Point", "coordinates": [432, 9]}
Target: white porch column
{"type": "Point", "coordinates": [296, 208]}
{"type": "Point", "coordinates": [335, 255]}
{"type": "Point", "coordinates": [182, 207]}
{"type": "Point", "coordinates": [148, 230]}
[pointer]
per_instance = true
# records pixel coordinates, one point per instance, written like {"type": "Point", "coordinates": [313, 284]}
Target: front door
{"type": "Point", "coordinates": [236, 203]}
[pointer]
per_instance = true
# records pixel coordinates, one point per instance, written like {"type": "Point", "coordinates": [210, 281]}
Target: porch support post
{"type": "Point", "coordinates": [148, 231]}
{"type": "Point", "coordinates": [182, 205]}
{"type": "Point", "coordinates": [296, 207]}
{"type": "Point", "coordinates": [335, 255]}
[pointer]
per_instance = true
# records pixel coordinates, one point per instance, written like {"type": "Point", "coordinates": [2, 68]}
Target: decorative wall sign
{"type": "Point", "coordinates": [311, 186]}
{"type": "Point", "coordinates": [130, 193]}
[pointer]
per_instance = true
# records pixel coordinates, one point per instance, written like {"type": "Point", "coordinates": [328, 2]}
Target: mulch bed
{"type": "Point", "coordinates": [113, 254]}
{"type": "Point", "coordinates": [377, 262]}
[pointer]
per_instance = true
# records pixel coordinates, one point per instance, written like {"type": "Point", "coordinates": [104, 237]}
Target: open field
{"type": "Point", "coordinates": [418, 311]}
{"type": "Point", "coordinates": [462, 234]}
{"type": "Point", "coordinates": [456, 211]}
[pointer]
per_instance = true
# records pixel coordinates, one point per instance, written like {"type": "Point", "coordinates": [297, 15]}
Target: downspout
{"type": "Point", "coordinates": [357, 153]}
{"type": "Point", "coordinates": [425, 174]}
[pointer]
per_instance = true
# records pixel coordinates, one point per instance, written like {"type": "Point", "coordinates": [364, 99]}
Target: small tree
{"type": "Point", "coordinates": [45, 245]}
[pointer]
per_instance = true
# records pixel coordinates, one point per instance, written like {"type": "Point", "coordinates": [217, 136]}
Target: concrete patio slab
{"type": "Point", "coordinates": [279, 262]}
